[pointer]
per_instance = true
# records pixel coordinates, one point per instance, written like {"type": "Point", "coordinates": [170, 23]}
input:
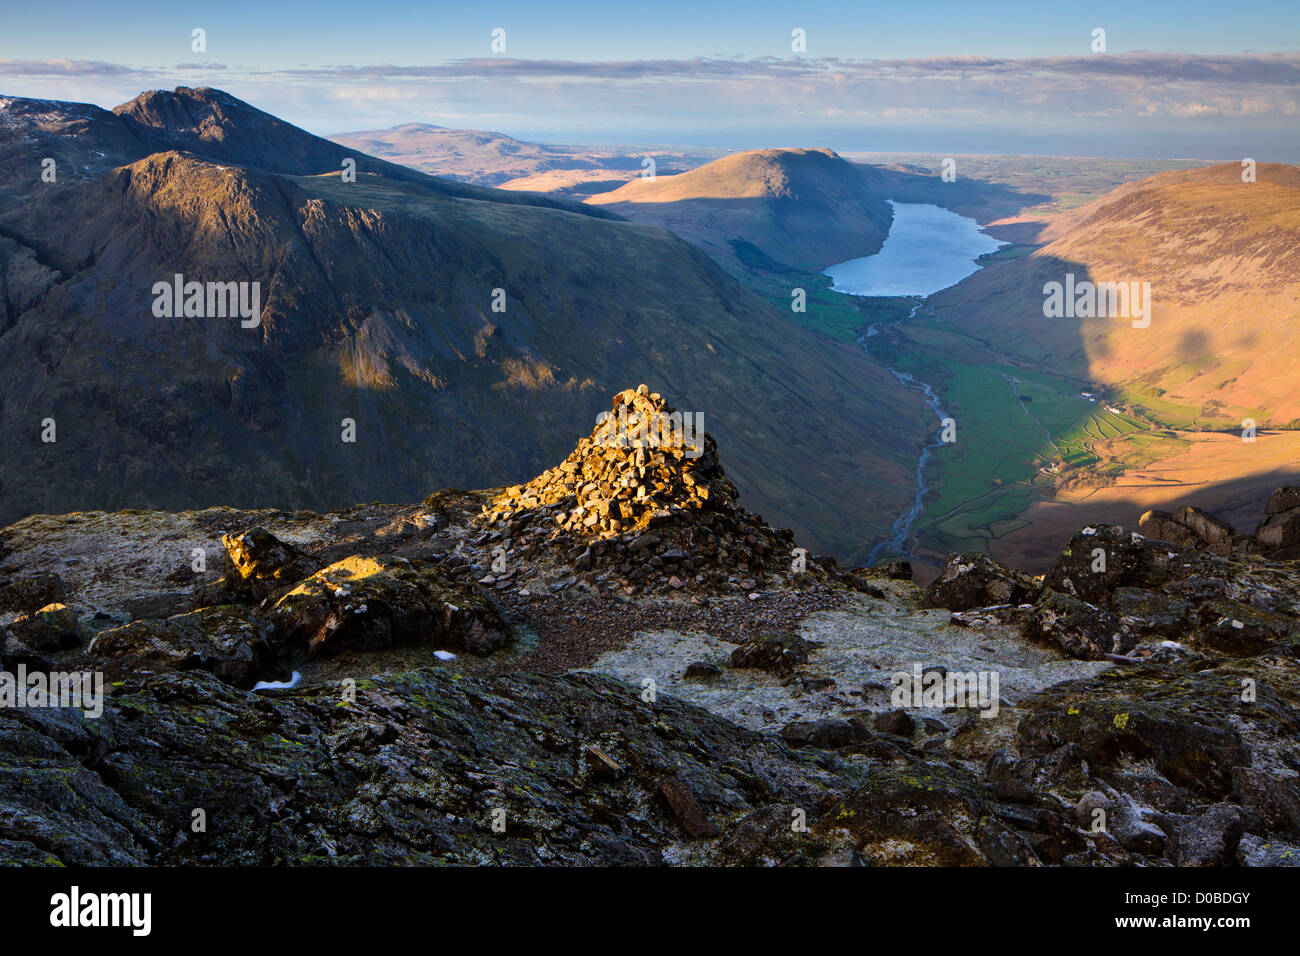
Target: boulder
{"type": "Point", "coordinates": [975, 580]}
{"type": "Point", "coordinates": [1208, 839]}
{"type": "Point", "coordinates": [1080, 629]}
{"type": "Point", "coordinates": [1197, 751]}
{"type": "Point", "coordinates": [778, 654]}
{"type": "Point", "coordinates": [54, 626]}
{"type": "Point", "coordinates": [1162, 526]}
{"type": "Point", "coordinates": [1099, 560]}
{"type": "Point", "coordinates": [827, 734]}
{"type": "Point", "coordinates": [228, 641]}
{"type": "Point", "coordinates": [1152, 613]}
{"type": "Point", "coordinates": [1239, 630]}
{"type": "Point", "coordinates": [28, 591]}
{"type": "Point", "coordinates": [371, 602]}
{"type": "Point", "coordinates": [1277, 800]}
{"type": "Point", "coordinates": [1206, 527]}
{"type": "Point", "coordinates": [263, 564]}
{"type": "Point", "coordinates": [1283, 500]}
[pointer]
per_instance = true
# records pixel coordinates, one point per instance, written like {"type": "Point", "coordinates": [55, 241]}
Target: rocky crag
{"type": "Point", "coordinates": [495, 677]}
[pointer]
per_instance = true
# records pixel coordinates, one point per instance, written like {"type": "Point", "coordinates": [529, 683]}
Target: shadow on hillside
{"type": "Point", "coordinates": [1240, 502]}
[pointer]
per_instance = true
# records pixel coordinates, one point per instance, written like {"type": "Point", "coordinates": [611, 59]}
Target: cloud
{"type": "Point", "coordinates": [704, 92]}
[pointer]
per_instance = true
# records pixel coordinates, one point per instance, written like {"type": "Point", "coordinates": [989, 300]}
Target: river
{"type": "Point", "coordinates": [928, 248]}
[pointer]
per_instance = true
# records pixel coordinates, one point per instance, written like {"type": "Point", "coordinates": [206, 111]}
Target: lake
{"type": "Point", "coordinates": [928, 248]}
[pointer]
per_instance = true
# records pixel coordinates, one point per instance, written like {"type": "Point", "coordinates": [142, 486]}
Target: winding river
{"type": "Point", "coordinates": [928, 248]}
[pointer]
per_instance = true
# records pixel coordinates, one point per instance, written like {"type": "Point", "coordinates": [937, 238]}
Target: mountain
{"type": "Point", "coordinates": [805, 208]}
{"type": "Point", "coordinates": [1222, 257]}
{"type": "Point", "coordinates": [377, 323]}
{"type": "Point", "coordinates": [495, 159]}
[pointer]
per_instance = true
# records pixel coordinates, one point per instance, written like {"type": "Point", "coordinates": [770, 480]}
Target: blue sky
{"type": "Point", "coordinates": [1191, 78]}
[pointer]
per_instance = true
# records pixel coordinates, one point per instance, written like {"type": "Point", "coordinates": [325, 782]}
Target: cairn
{"type": "Point", "coordinates": [643, 502]}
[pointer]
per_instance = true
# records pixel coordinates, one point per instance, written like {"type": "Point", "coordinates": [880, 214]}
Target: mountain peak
{"type": "Point", "coordinates": [221, 127]}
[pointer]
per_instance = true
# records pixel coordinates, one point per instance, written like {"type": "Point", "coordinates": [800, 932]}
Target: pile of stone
{"type": "Point", "coordinates": [643, 503]}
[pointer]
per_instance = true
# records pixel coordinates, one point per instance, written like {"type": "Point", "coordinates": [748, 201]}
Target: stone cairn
{"type": "Point", "coordinates": [644, 504]}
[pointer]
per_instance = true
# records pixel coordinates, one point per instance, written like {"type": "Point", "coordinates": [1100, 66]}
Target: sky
{"type": "Point", "coordinates": [1187, 79]}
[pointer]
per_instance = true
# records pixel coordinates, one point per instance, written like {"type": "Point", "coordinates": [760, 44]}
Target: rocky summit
{"type": "Point", "coordinates": [615, 663]}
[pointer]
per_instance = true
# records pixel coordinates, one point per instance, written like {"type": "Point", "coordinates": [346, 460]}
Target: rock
{"type": "Point", "coordinates": [1099, 560]}
{"type": "Point", "coordinates": [894, 570]}
{"type": "Point", "coordinates": [1162, 526]}
{"type": "Point", "coordinates": [975, 580]}
{"type": "Point", "coordinates": [1277, 800]}
{"type": "Point", "coordinates": [686, 808]}
{"type": "Point", "coordinates": [1152, 612]}
{"type": "Point", "coordinates": [1193, 750]}
{"type": "Point", "coordinates": [1279, 532]}
{"type": "Point", "coordinates": [699, 670]}
{"type": "Point", "coordinates": [1080, 629]}
{"type": "Point", "coordinates": [228, 641]}
{"type": "Point", "coordinates": [1256, 851]}
{"type": "Point", "coordinates": [919, 815]}
{"type": "Point", "coordinates": [156, 607]}
{"type": "Point", "coordinates": [264, 564]}
{"type": "Point", "coordinates": [1209, 839]}
{"type": "Point", "coordinates": [896, 722]}
{"type": "Point", "coordinates": [401, 776]}
{"type": "Point", "coordinates": [1283, 500]}
{"type": "Point", "coordinates": [778, 654]}
{"type": "Point", "coordinates": [371, 602]}
{"type": "Point", "coordinates": [1240, 631]}
{"type": "Point", "coordinates": [1207, 528]}
{"type": "Point", "coordinates": [54, 626]}
{"type": "Point", "coordinates": [29, 591]}
{"type": "Point", "coordinates": [827, 734]}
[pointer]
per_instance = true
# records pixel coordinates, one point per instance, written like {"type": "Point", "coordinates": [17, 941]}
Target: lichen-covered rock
{"type": "Point", "coordinates": [975, 580]}
{"type": "Point", "coordinates": [1256, 851]}
{"type": "Point", "coordinates": [1240, 630]}
{"type": "Point", "coordinates": [416, 771]}
{"type": "Point", "coordinates": [53, 626]}
{"type": "Point", "coordinates": [1099, 560]}
{"type": "Point", "coordinates": [1152, 613]}
{"type": "Point", "coordinates": [923, 815]}
{"type": "Point", "coordinates": [370, 602]}
{"type": "Point", "coordinates": [28, 591]}
{"type": "Point", "coordinates": [229, 641]}
{"type": "Point", "coordinates": [1189, 747]}
{"type": "Point", "coordinates": [1080, 629]}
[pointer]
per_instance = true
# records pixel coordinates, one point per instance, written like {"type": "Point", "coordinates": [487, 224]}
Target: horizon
{"type": "Point", "coordinates": [1168, 82]}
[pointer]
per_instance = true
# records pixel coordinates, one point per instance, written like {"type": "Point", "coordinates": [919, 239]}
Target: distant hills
{"type": "Point", "coordinates": [377, 319]}
{"type": "Point", "coordinates": [806, 208]}
{"type": "Point", "coordinates": [494, 159]}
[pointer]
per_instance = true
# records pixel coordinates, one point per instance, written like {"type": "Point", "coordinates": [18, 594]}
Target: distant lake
{"type": "Point", "coordinates": [928, 248]}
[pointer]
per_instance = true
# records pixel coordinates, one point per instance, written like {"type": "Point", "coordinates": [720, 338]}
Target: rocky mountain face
{"type": "Point", "coordinates": [491, 677]}
{"type": "Point", "coordinates": [410, 331]}
{"type": "Point", "coordinates": [802, 208]}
